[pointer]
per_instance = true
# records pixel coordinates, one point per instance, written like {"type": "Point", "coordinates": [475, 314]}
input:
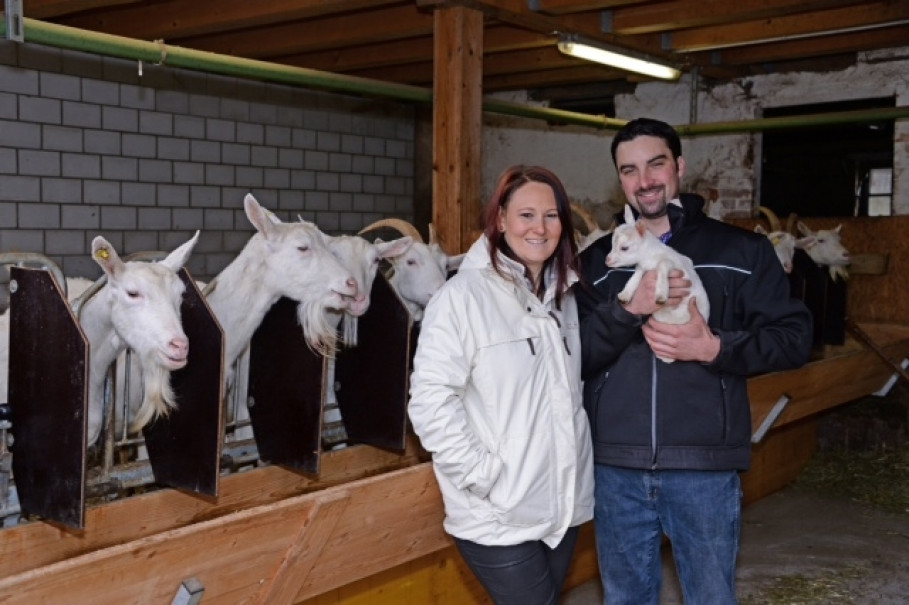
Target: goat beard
{"type": "Point", "coordinates": [157, 395]}
{"type": "Point", "coordinates": [319, 331]}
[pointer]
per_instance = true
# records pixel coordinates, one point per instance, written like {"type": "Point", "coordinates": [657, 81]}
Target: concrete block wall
{"type": "Point", "coordinates": [145, 155]}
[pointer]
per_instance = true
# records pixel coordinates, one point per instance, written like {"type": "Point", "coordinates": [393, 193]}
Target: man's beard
{"type": "Point", "coordinates": [661, 211]}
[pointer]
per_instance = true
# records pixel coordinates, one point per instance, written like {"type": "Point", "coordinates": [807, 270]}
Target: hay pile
{"type": "Point", "coordinates": [863, 453]}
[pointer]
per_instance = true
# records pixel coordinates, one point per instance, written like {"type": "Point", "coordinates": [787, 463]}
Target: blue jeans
{"type": "Point", "coordinates": [529, 573]}
{"type": "Point", "coordinates": [700, 512]}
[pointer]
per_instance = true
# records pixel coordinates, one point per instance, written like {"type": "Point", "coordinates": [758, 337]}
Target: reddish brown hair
{"type": "Point", "coordinates": [565, 256]}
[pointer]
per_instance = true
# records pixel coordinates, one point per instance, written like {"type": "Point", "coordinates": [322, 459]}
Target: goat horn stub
{"type": "Point", "coordinates": [398, 224]}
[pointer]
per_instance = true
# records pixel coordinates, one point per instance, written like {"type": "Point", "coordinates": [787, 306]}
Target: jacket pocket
{"type": "Point", "coordinates": [524, 495]}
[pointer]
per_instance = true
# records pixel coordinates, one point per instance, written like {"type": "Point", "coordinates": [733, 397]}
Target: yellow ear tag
{"type": "Point", "coordinates": [775, 240]}
{"type": "Point", "coordinates": [102, 253]}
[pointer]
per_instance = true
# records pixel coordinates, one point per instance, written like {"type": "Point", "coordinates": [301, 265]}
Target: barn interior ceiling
{"type": "Point", "coordinates": [392, 40]}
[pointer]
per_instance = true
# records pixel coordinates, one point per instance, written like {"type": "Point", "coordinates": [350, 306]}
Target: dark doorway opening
{"type": "Point", "coordinates": [826, 170]}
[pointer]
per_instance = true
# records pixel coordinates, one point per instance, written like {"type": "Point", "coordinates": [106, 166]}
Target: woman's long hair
{"type": "Point", "coordinates": [565, 256]}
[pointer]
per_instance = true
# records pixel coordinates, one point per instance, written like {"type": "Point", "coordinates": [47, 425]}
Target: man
{"type": "Point", "coordinates": [670, 438]}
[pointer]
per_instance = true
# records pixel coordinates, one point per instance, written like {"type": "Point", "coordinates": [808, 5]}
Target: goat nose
{"type": "Point", "coordinates": [180, 346]}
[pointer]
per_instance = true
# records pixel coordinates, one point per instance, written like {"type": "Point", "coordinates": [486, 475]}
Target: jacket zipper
{"type": "Point", "coordinates": [653, 413]}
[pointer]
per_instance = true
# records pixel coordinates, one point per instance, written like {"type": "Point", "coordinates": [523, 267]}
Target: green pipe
{"type": "Point", "coordinates": [819, 119]}
{"type": "Point", "coordinates": [61, 36]}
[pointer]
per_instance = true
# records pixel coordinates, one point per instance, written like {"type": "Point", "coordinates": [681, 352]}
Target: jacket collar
{"type": "Point", "coordinates": [686, 209]}
{"type": "Point", "coordinates": [478, 258]}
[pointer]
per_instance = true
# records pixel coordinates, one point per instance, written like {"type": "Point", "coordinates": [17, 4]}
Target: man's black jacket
{"type": "Point", "coordinates": [647, 414]}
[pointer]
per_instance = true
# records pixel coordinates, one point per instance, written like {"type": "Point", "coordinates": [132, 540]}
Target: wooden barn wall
{"type": "Point", "coordinates": [870, 297]}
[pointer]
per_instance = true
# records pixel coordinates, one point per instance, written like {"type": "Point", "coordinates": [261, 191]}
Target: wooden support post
{"type": "Point", "coordinates": [457, 125]}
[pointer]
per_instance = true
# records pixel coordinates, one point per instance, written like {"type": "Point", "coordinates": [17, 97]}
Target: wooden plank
{"type": "Point", "coordinates": [49, 408]}
{"type": "Point", "coordinates": [779, 459]}
{"type": "Point", "coordinates": [185, 447]}
{"type": "Point", "coordinates": [286, 410]}
{"type": "Point", "coordinates": [868, 264]}
{"type": "Point", "coordinates": [234, 554]}
{"type": "Point", "coordinates": [372, 378]}
{"type": "Point", "coordinates": [843, 374]}
{"type": "Point", "coordinates": [35, 544]}
{"type": "Point", "coordinates": [398, 523]}
{"type": "Point", "coordinates": [304, 551]}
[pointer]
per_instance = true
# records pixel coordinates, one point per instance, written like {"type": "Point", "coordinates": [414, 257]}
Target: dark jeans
{"type": "Point", "coordinates": [700, 511]}
{"type": "Point", "coordinates": [523, 574]}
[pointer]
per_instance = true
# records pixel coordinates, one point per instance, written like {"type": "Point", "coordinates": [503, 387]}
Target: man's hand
{"type": "Point", "coordinates": [644, 300]}
{"type": "Point", "coordinates": [692, 341]}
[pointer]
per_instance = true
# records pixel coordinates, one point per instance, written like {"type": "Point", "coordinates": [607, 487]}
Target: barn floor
{"type": "Point", "coordinates": [838, 535]}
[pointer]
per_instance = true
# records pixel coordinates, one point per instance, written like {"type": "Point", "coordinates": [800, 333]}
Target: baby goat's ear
{"type": "Point", "coordinates": [629, 215]}
{"type": "Point", "coordinates": [641, 227]}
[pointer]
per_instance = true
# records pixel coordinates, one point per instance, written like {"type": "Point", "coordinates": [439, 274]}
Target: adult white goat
{"type": "Point", "coordinates": [137, 308]}
{"type": "Point", "coordinates": [784, 243]}
{"type": "Point", "coordinates": [825, 248]}
{"type": "Point", "coordinates": [289, 260]}
{"type": "Point", "coordinates": [418, 273]}
{"type": "Point", "coordinates": [362, 259]}
{"type": "Point", "coordinates": [633, 244]}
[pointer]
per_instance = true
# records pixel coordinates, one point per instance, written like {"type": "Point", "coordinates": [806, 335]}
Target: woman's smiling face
{"type": "Point", "coordinates": [531, 226]}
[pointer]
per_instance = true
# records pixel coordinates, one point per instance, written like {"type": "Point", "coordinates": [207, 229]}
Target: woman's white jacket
{"type": "Point", "coordinates": [495, 396]}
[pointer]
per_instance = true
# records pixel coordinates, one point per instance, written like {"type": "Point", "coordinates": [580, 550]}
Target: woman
{"type": "Point", "coordinates": [496, 394]}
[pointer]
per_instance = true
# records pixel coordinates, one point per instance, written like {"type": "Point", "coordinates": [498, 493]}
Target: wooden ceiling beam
{"type": "Point", "coordinates": [174, 19]}
{"type": "Point", "coordinates": [338, 31]}
{"type": "Point", "coordinates": [552, 77]}
{"type": "Point", "coordinates": [767, 30]}
{"type": "Point", "coordinates": [46, 9]}
{"type": "Point", "coordinates": [787, 50]}
{"type": "Point", "coordinates": [517, 14]}
{"type": "Point", "coordinates": [415, 50]}
{"type": "Point", "coordinates": [565, 7]}
{"type": "Point", "coordinates": [665, 16]}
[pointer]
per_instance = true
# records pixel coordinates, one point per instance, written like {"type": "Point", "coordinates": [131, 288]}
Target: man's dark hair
{"type": "Point", "coordinates": [648, 127]}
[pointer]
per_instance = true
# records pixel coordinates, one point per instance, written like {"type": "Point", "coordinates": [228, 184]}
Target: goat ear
{"type": "Point", "coordinates": [803, 228]}
{"type": "Point", "coordinates": [395, 247]}
{"type": "Point", "coordinates": [176, 259]}
{"type": "Point", "coordinates": [838, 227]}
{"type": "Point", "coordinates": [759, 229]}
{"type": "Point", "coordinates": [804, 242]}
{"type": "Point", "coordinates": [629, 215]}
{"type": "Point", "coordinates": [258, 215]}
{"type": "Point", "coordinates": [105, 255]}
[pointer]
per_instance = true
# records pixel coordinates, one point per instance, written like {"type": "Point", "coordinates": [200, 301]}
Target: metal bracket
{"type": "Point", "coordinates": [884, 390]}
{"type": "Point", "coordinates": [14, 28]}
{"type": "Point", "coordinates": [189, 593]}
{"type": "Point", "coordinates": [771, 418]}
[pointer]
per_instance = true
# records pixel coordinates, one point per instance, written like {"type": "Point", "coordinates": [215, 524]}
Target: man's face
{"type": "Point", "coordinates": [649, 176]}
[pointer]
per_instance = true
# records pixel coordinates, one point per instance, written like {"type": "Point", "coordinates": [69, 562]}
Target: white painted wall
{"type": "Point", "coordinates": [581, 158]}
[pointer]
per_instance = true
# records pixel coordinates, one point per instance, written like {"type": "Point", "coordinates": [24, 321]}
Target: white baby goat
{"type": "Point", "coordinates": [634, 245]}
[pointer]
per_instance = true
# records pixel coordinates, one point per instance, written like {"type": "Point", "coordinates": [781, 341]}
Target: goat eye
{"type": "Point", "coordinates": [411, 262]}
{"type": "Point", "coordinates": [132, 293]}
{"type": "Point", "coordinates": [303, 248]}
